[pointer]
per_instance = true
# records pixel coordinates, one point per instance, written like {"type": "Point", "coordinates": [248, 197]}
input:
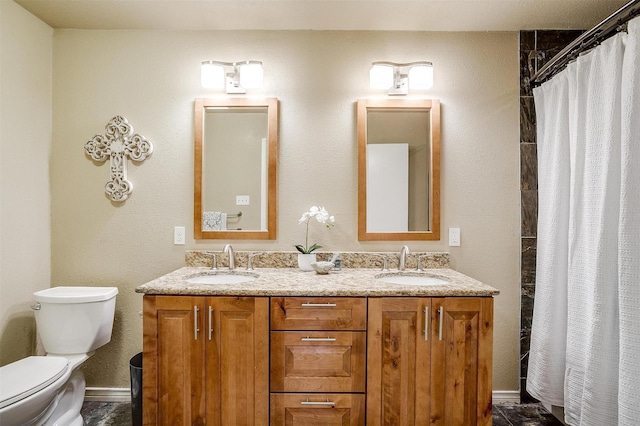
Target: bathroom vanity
{"type": "Point", "coordinates": [297, 348]}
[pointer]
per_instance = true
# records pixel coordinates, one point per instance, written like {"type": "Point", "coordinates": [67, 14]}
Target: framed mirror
{"type": "Point", "coordinates": [235, 168]}
{"type": "Point", "coordinates": [398, 169]}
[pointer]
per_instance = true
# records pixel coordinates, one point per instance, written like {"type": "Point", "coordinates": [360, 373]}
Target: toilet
{"type": "Point", "coordinates": [72, 323]}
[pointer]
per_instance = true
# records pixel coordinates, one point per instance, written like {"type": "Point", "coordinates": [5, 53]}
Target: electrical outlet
{"type": "Point", "coordinates": [242, 200]}
{"type": "Point", "coordinates": [454, 237]}
{"type": "Point", "coordinates": [178, 235]}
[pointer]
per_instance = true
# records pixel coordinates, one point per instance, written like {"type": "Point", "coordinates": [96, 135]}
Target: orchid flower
{"type": "Point", "coordinates": [322, 216]}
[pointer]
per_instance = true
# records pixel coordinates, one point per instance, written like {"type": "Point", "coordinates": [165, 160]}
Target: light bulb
{"type": "Point", "coordinates": [251, 75]}
{"type": "Point", "coordinates": [381, 76]}
{"type": "Point", "coordinates": [421, 77]}
{"type": "Point", "coordinates": [212, 76]}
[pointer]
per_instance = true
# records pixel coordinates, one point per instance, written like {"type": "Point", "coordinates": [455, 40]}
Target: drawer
{"type": "Point", "coordinates": [317, 409]}
{"type": "Point", "coordinates": [318, 313]}
{"type": "Point", "coordinates": [318, 361]}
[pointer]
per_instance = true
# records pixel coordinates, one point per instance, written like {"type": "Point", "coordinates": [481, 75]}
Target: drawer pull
{"type": "Point", "coordinates": [426, 323]}
{"type": "Point", "coordinates": [318, 305]}
{"type": "Point", "coordinates": [195, 323]}
{"type": "Point", "coordinates": [327, 402]}
{"type": "Point", "coordinates": [318, 339]}
{"type": "Point", "coordinates": [210, 322]}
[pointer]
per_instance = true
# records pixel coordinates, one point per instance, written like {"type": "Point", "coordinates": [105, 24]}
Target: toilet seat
{"type": "Point", "coordinates": [29, 375]}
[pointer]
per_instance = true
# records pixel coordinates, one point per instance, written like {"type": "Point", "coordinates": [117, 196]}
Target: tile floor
{"type": "Point", "coordinates": [119, 414]}
{"type": "Point", "coordinates": [523, 415]}
{"type": "Point", "coordinates": [106, 413]}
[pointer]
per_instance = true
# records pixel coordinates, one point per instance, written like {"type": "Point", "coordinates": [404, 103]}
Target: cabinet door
{"type": "Point", "coordinates": [461, 361]}
{"type": "Point", "coordinates": [398, 375]}
{"type": "Point", "coordinates": [316, 409]}
{"type": "Point", "coordinates": [237, 361]}
{"type": "Point", "coordinates": [173, 364]}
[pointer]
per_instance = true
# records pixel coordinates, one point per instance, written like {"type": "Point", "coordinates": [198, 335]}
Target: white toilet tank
{"type": "Point", "coordinates": [75, 320]}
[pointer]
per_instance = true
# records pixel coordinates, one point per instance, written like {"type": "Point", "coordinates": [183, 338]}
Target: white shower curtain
{"type": "Point", "coordinates": [585, 349]}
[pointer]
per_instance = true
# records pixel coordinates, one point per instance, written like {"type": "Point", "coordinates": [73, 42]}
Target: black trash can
{"type": "Point", "coordinates": [135, 368]}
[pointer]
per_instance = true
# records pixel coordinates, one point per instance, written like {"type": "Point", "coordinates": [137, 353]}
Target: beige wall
{"type": "Point", "coordinates": [152, 77]}
{"type": "Point", "coordinates": [25, 144]}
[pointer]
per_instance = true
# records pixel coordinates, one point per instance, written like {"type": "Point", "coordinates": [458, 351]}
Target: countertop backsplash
{"type": "Point", "coordinates": [285, 259]}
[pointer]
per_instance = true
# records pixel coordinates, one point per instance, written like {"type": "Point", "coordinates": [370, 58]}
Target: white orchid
{"type": "Point", "coordinates": [322, 216]}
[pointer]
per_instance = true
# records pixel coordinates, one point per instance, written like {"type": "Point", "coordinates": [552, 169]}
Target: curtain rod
{"type": "Point", "coordinates": [586, 41]}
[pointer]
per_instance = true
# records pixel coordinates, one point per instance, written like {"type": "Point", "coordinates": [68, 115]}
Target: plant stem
{"type": "Point", "coordinates": [306, 238]}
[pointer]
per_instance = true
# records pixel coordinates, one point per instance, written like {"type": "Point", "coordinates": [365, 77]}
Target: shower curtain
{"type": "Point", "coordinates": [585, 337]}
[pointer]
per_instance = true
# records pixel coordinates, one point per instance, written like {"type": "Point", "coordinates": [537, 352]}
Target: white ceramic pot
{"type": "Point", "coordinates": [305, 261]}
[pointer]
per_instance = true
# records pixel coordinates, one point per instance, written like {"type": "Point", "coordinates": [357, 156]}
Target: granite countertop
{"type": "Point", "coordinates": [294, 282]}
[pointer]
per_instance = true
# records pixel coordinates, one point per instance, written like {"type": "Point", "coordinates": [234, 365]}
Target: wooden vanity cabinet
{"type": "Point", "coordinates": [317, 361]}
{"type": "Point", "coordinates": [429, 361]}
{"type": "Point", "coordinates": [205, 360]}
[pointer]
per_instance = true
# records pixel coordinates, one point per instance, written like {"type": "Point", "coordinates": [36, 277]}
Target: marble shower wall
{"type": "Point", "coordinates": [536, 48]}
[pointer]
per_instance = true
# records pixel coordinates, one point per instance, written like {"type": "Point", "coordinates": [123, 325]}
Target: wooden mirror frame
{"type": "Point", "coordinates": [272, 134]}
{"type": "Point", "coordinates": [433, 106]}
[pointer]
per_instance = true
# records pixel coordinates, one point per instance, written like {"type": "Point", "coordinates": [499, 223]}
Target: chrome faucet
{"type": "Point", "coordinates": [403, 258]}
{"type": "Point", "coordinates": [232, 258]}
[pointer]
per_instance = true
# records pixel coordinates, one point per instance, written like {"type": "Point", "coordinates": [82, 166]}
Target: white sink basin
{"type": "Point", "coordinates": [222, 278]}
{"type": "Point", "coordinates": [413, 279]}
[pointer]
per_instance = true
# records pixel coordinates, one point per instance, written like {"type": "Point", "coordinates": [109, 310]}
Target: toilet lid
{"type": "Point", "coordinates": [27, 376]}
{"type": "Point", "coordinates": [75, 294]}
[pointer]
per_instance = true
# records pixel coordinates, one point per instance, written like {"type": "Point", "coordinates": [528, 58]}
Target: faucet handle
{"type": "Point", "coordinates": [214, 260]}
{"type": "Point", "coordinates": [384, 257]}
{"type": "Point", "coordinates": [250, 260]}
{"type": "Point", "coordinates": [419, 267]}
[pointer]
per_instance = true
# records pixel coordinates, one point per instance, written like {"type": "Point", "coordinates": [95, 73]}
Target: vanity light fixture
{"type": "Point", "coordinates": [398, 78]}
{"type": "Point", "coordinates": [241, 76]}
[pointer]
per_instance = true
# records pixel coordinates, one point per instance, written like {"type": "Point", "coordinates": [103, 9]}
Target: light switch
{"type": "Point", "coordinates": [242, 200]}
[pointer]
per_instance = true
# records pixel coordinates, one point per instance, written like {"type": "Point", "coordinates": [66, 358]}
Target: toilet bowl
{"type": "Point", "coordinates": [72, 323]}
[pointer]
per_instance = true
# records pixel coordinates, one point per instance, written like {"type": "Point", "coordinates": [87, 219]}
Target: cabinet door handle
{"type": "Point", "coordinates": [440, 326]}
{"type": "Point", "coordinates": [195, 323]}
{"type": "Point", "coordinates": [318, 339]}
{"type": "Point", "coordinates": [327, 402]}
{"type": "Point", "coordinates": [210, 322]}
{"type": "Point", "coordinates": [426, 323]}
{"type": "Point", "coordinates": [318, 305]}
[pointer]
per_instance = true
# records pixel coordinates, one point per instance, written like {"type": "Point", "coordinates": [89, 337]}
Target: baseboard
{"type": "Point", "coordinates": [505, 397]}
{"type": "Point", "coordinates": [108, 394]}
{"type": "Point", "coordinates": [124, 395]}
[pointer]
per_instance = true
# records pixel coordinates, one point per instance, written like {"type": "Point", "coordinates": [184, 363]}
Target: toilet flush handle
{"type": "Point", "coordinates": [36, 307]}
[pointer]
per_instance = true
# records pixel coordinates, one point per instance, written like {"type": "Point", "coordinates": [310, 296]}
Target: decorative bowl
{"type": "Point", "coordinates": [322, 267]}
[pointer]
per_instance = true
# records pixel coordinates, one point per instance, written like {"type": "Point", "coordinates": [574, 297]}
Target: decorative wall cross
{"type": "Point", "coordinates": [117, 143]}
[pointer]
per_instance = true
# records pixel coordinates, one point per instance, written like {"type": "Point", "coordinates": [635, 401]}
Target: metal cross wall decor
{"type": "Point", "coordinates": [117, 143]}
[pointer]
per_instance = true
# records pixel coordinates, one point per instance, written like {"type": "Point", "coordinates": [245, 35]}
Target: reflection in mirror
{"type": "Point", "coordinates": [235, 168]}
{"type": "Point", "coordinates": [398, 169]}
